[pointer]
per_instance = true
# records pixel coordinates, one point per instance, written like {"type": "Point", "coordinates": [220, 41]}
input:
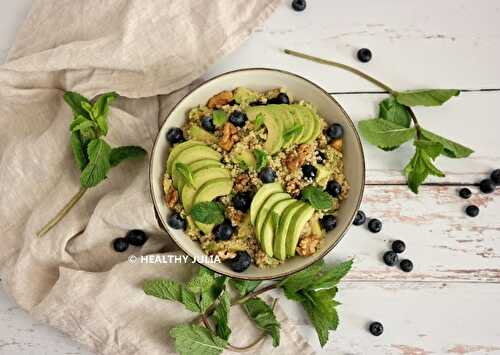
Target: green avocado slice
{"type": "Point", "coordinates": [318, 126]}
{"type": "Point", "coordinates": [267, 206]}
{"type": "Point", "coordinates": [288, 120]}
{"type": "Point", "coordinates": [267, 232]}
{"type": "Point", "coordinates": [209, 191]}
{"type": "Point", "coordinates": [303, 114]}
{"type": "Point", "coordinates": [176, 150]}
{"type": "Point", "coordinates": [280, 237]}
{"type": "Point", "coordinates": [202, 176]}
{"type": "Point", "coordinates": [192, 154]}
{"type": "Point", "coordinates": [195, 167]}
{"type": "Point", "coordinates": [274, 127]}
{"type": "Point", "coordinates": [299, 219]}
{"type": "Point", "coordinates": [262, 194]}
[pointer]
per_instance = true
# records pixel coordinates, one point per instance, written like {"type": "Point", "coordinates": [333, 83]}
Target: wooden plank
{"type": "Point", "coordinates": [449, 43]}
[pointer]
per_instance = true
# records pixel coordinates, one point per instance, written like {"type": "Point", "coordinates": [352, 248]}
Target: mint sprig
{"type": "Point", "coordinates": [317, 198]}
{"type": "Point", "coordinates": [208, 212]}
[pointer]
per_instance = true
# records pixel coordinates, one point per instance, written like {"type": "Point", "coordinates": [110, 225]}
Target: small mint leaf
{"type": "Point", "coordinates": [317, 198]}
{"type": "Point", "coordinates": [260, 158]}
{"type": "Point", "coordinates": [435, 97]}
{"type": "Point", "coordinates": [208, 212]}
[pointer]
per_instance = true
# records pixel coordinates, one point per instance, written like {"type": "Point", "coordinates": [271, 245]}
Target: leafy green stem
{"type": "Point", "coordinates": [254, 294]}
{"type": "Point", "coordinates": [62, 213]}
{"type": "Point", "coordinates": [418, 129]}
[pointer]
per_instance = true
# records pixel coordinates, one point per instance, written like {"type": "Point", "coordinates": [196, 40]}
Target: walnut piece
{"type": "Point", "coordinates": [221, 99]}
{"type": "Point", "coordinates": [292, 187]}
{"type": "Point", "coordinates": [226, 254]}
{"type": "Point", "coordinates": [308, 245]}
{"type": "Point", "coordinates": [234, 215]}
{"type": "Point", "coordinates": [294, 160]}
{"type": "Point", "coordinates": [241, 182]}
{"type": "Point", "coordinates": [171, 197]}
{"type": "Point", "coordinates": [305, 151]}
{"type": "Point", "coordinates": [229, 136]}
{"type": "Point", "coordinates": [336, 144]}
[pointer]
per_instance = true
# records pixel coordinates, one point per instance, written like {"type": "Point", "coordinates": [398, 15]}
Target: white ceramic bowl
{"type": "Point", "coordinates": [262, 79]}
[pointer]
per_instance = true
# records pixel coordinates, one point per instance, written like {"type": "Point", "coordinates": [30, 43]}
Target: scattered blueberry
{"type": "Point", "coordinates": [472, 210]}
{"type": "Point", "coordinates": [120, 245]}
{"type": "Point", "coordinates": [390, 258]}
{"type": "Point", "coordinates": [406, 265]}
{"type": "Point", "coordinates": [241, 262]}
{"type": "Point", "coordinates": [333, 188]}
{"type": "Point", "coordinates": [487, 186]}
{"type": "Point", "coordinates": [320, 157]}
{"type": "Point", "coordinates": [299, 5]}
{"type": "Point", "coordinates": [309, 171]}
{"type": "Point", "coordinates": [238, 118]}
{"type": "Point", "coordinates": [281, 99]}
{"type": "Point", "coordinates": [176, 221]}
{"type": "Point", "coordinates": [136, 237]}
{"type": "Point", "coordinates": [175, 135]}
{"type": "Point", "coordinates": [464, 192]}
{"type": "Point", "coordinates": [359, 219]}
{"type": "Point", "coordinates": [267, 175]}
{"type": "Point", "coordinates": [364, 55]}
{"type": "Point", "coordinates": [223, 231]}
{"type": "Point", "coordinates": [495, 176]}
{"type": "Point", "coordinates": [398, 246]}
{"type": "Point", "coordinates": [375, 225]}
{"type": "Point", "coordinates": [208, 124]}
{"type": "Point", "coordinates": [376, 328]}
{"type": "Point", "coordinates": [334, 131]}
{"type": "Point", "coordinates": [257, 103]}
{"type": "Point", "coordinates": [328, 222]}
{"type": "Point", "coordinates": [242, 201]}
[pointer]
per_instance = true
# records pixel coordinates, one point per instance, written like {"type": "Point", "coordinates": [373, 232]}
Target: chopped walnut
{"type": "Point", "coordinates": [308, 245]}
{"type": "Point", "coordinates": [241, 182]}
{"type": "Point", "coordinates": [337, 144]}
{"type": "Point", "coordinates": [229, 136]}
{"type": "Point", "coordinates": [295, 160]}
{"type": "Point", "coordinates": [221, 99]}
{"type": "Point", "coordinates": [226, 254]}
{"type": "Point", "coordinates": [171, 197]}
{"type": "Point", "coordinates": [292, 187]}
{"type": "Point", "coordinates": [292, 161]}
{"type": "Point", "coordinates": [305, 151]}
{"type": "Point", "coordinates": [234, 215]}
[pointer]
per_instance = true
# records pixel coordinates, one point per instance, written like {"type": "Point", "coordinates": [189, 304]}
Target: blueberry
{"type": "Point", "coordinates": [281, 99]}
{"type": "Point", "coordinates": [364, 55]}
{"type": "Point", "coordinates": [334, 131]}
{"type": "Point", "coordinates": [376, 328]}
{"type": "Point", "coordinates": [176, 221]}
{"type": "Point", "coordinates": [120, 245]}
{"type": "Point", "coordinates": [136, 237]}
{"type": "Point", "coordinates": [238, 118]}
{"type": "Point", "coordinates": [375, 225]}
{"type": "Point", "coordinates": [495, 176]}
{"type": "Point", "coordinates": [320, 157]}
{"type": "Point", "coordinates": [241, 262]}
{"type": "Point", "coordinates": [406, 265]}
{"type": "Point", "coordinates": [328, 222]}
{"type": "Point", "coordinates": [208, 124]}
{"type": "Point", "coordinates": [267, 175]}
{"type": "Point", "coordinates": [472, 210]}
{"type": "Point", "coordinates": [359, 219]}
{"type": "Point", "coordinates": [333, 188]}
{"type": "Point", "coordinates": [242, 201]}
{"type": "Point", "coordinates": [390, 258]}
{"type": "Point", "coordinates": [309, 171]}
{"type": "Point", "coordinates": [464, 192]}
{"type": "Point", "coordinates": [175, 135]}
{"type": "Point", "coordinates": [257, 103]}
{"type": "Point", "coordinates": [223, 231]}
{"type": "Point", "coordinates": [398, 246]}
{"type": "Point", "coordinates": [487, 186]}
{"type": "Point", "coordinates": [299, 5]}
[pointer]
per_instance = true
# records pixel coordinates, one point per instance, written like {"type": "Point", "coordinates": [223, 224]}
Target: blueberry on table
{"type": "Point", "coordinates": [208, 124]}
{"type": "Point", "coordinates": [376, 328]}
{"type": "Point", "coordinates": [398, 246]}
{"type": "Point", "coordinates": [390, 258]}
{"type": "Point", "coordinates": [495, 176]}
{"type": "Point", "coordinates": [281, 99]}
{"type": "Point", "coordinates": [472, 210]}
{"type": "Point", "coordinates": [328, 222]}
{"type": "Point", "coordinates": [360, 218]}
{"type": "Point", "coordinates": [320, 157]}
{"type": "Point", "coordinates": [487, 186]}
{"type": "Point", "coordinates": [406, 265]}
{"type": "Point", "coordinates": [120, 245]}
{"type": "Point", "coordinates": [375, 225]}
{"type": "Point", "coordinates": [223, 231]}
{"type": "Point", "coordinates": [464, 193]}
{"type": "Point", "coordinates": [334, 131]}
{"type": "Point", "coordinates": [176, 221]}
{"type": "Point", "coordinates": [333, 188]}
{"type": "Point", "coordinates": [175, 135]}
{"type": "Point", "coordinates": [267, 175]}
{"type": "Point", "coordinates": [136, 237]}
{"type": "Point", "coordinates": [238, 118]}
{"type": "Point", "coordinates": [299, 5]}
{"type": "Point", "coordinates": [309, 171]}
{"type": "Point", "coordinates": [364, 55]}
{"type": "Point", "coordinates": [241, 262]}
{"type": "Point", "coordinates": [242, 201]}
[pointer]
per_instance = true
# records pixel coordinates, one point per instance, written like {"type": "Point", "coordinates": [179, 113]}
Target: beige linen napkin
{"type": "Point", "coordinates": [149, 51]}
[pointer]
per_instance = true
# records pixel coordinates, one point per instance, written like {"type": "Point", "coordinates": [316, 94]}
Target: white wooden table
{"type": "Point", "coordinates": [450, 303]}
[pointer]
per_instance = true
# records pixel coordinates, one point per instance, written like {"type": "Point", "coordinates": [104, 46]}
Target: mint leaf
{"type": "Point", "coordinates": [102, 123]}
{"type": "Point", "coordinates": [301, 280]}
{"type": "Point", "coordinates": [259, 121]}
{"type": "Point", "coordinates": [219, 117]}
{"type": "Point", "coordinates": [260, 158]}
{"type": "Point", "coordinates": [98, 152]}
{"type": "Point", "coordinates": [186, 173]}
{"type": "Point", "coordinates": [245, 286]}
{"type": "Point", "coordinates": [81, 123]}
{"type": "Point", "coordinates": [421, 166]}
{"type": "Point", "coordinates": [384, 133]}
{"type": "Point", "coordinates": [292, 132]}
{"type": "Point", "coordinates": [202, 281]}
{"type": "Point", "coordinates": [331, 277]}
{"type": "Point", "coordinates": [317, 198]}
{"type": "Point", "coordinates": [208, 212]}
{"type": "Point", "coordinates": [391, 110]}
{"type": "Point", "coordinates": [101, 106]}
{"type": "Point", "coordinates": [171, 291]}
{"type": "Point", "coordinates": [221, 316]}
{"type": "Point", "coordinates": [196, 340]}
{"type": "Point", "coordinates": [451, 149]}
{"type": "Point", "coordinates": [425, 97]}
{"type": "Point", "coordinates": [87, 107]}
{"type": "Point", "coordinates": [78, 151]}
{"type": "Point", "coordinates": [264, 318]}
{"type": "Point", "coordinates": [74, 100]}
{"type": "Point", "coordinates": [126, 152]}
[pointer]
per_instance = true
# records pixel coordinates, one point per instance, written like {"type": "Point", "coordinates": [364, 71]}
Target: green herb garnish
{"type": "Point", "coordinates": [317, 198]}
{"type": "Point", "coordinates": [208, 212]}
{"type": "Point", "coordinates": [261, 159]}
{"type": "Point", "coordinates": [292, 132]}
{"type": "Point", "coordinates": [259, 120]}
{"type": "Point", "coordinates": [186, 173]}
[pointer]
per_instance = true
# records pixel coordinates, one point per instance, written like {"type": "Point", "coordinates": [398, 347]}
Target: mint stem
{"type": "Point", "coordinates": [62, 213]}
{"type": "Point", "coordinates": [254, 294]}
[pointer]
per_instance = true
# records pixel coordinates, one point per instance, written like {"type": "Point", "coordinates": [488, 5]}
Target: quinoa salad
{"type": "Point", "coordinates": [255, 177]}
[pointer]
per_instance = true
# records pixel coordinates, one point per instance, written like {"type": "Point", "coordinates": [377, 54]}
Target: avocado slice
{"type": "Point", "coordinates": [244, 96]}
{"type": "Point", "coordinates": [287, 119]}
{"type": "Point", "coordinates": [198, 133]}
{"type": "Point", "coordinates": [315, 226]}
{"type": "Point", "coordinates": [303, 114]}
{"type": "Point", "coordinates": [192, 154]}
{"type": "Point", "coordinates": [196, 166]}
{"type": "Point", "coordinates": [176, 150]}
{"type": "Point", "coordinates": [202, 176]}
{"type": "Point", "coordinates": [261, 196]}
{"type": "Point", "coordinates": [280, 235]}
{"type": "Point", "coordinates": [274, 127]}
{"type": "Point", "coordinates": [267, 206]}
{"type": "Point", "coordinates": [267, 232]}
{"type": "Point", "coordinates": [209, 191]}
{"type": "Point", "coordinates": [318, 126]}
{"type": "Point", "coordinates": [299, 219]}
{"type": "Point", "coordinates": [246, 158]}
